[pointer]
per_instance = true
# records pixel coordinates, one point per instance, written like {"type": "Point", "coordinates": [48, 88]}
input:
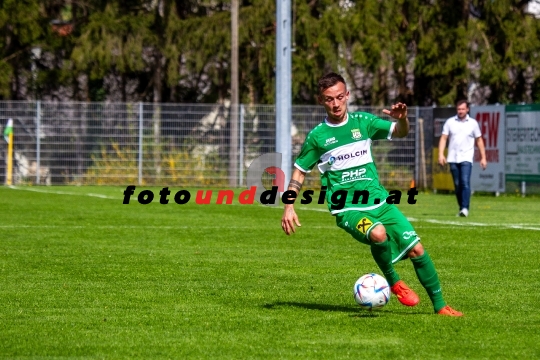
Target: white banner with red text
{"type": "Point", "coordinates": [491, 120]}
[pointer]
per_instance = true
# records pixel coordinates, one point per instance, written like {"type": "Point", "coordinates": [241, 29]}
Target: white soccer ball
{"type": "Point", "coordinates": [371, 291]}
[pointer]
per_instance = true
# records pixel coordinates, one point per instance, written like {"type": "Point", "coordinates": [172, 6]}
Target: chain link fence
{"type": "Point", "coordinates": [76, 143]}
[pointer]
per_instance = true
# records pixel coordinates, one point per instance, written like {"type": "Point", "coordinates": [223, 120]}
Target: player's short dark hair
{"type": "Point", "coordinates": [329, 80]}
{"type": "Point", "coordinates": [461, 102]}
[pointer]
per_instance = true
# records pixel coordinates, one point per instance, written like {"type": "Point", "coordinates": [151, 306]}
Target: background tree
{"type": "Point", "coordinates": [505, 47]}
{"type": "Point", "coordinates": [440, 71]}
{"type": "Point", "coordinates": [23, 26]}
{"type": "Point", "coordinates": [419, 51]}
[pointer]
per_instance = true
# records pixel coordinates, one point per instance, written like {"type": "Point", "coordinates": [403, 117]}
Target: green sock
{"type": "Point", "coordinates": [382, 254]}
{"type": "Point", "coordinates": [425, 270]}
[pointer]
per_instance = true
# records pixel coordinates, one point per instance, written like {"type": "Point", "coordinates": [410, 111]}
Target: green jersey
{"type": "Point", "coordinates": [342, 154]}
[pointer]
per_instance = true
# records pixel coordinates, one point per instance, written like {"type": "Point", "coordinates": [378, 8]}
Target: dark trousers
{"type": "Point", "coordinates": [461, 173]}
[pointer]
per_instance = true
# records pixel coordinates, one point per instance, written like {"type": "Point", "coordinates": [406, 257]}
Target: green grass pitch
{"type": "Point", "coordinates": [84, 276]}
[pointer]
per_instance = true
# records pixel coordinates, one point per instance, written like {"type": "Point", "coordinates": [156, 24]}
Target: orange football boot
{"type": "Point", "coordinates": [404, 294]}
{"type": "Point", "coordinates": [448, 311]}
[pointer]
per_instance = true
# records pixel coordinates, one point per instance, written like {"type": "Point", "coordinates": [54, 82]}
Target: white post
{"type": "Point", "coordinates": [283, 86]}
{"type": "Point", "coordinates": [233, 150]}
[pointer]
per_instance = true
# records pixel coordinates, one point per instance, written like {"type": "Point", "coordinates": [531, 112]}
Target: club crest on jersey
{"type": "Point", "coordinates": [356, 134]}
{"type": "Point", "coordinates": [363, 225]}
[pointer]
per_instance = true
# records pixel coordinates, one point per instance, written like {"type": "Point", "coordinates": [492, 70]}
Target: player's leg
{"type": "Point", "coordinates": [428, 277]}
{"type": "Point", "coordinates": [361, 226]}
{"type": "Point", "coordinates": [408, 245]}
{"type": "Point", "coordinates": [381, 249]}
{"type": "Point", "coordinates": [368, 229]}
{"type": "Point", "coordinates": [401, 238]}
{"type": "Point", "coordinates": [455, 171]}
{"type": "Point", "coordinates": [465, 182]}
{"type": "Point", "coordinates": [382, 252]}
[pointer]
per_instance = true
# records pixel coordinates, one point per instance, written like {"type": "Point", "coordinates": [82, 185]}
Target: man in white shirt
{"type": "Point", "coordinates": [463, 132]}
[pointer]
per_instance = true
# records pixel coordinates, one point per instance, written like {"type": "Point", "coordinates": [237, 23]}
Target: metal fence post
{"type": "Point", "coordinates": [38, 142]}
{"type": "Point", "coordinates": [140, 142]}
{"type": "Point", "coordinates": [417, 147]}
{"type": "Point", "coordinates": [241, 146]}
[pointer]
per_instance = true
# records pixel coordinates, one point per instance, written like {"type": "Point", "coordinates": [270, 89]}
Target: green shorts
{"type": "Point", "coordinates": [399, 230]}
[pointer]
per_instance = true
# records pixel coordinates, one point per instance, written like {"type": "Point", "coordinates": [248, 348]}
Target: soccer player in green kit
{"type": "Point", "coordinates": [341, 148]}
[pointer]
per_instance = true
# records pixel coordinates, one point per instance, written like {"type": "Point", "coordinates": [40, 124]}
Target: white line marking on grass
{"type": "Point", "coordinates": [92, 226]}
{"type": "Point", "coordinates": [526, 224]}
{"type": "Point", "coordinates": [534, 227]}
{"type": "Point", "coordinates": [314, 209]}
{"type": "Point", "coordinates": [118, 198]}
{"type": "Point", "coordinates": [473, 224]}
{"type": "Point", "coordinates": [296, 208]}
{"type": "Point", "coordinates": [195, 227]}
{"type": "Point", "coordinates": [101, 196]}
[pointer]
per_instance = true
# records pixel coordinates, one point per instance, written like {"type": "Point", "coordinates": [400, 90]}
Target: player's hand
{"type": "Point", "coordinates": [483, 164]}
{"type": "Point", "coordinates": [289, 219]}
{"type": "Point", "coordinates": [399, 111]}
{"type": "Point", "coordinates": [442, 160]}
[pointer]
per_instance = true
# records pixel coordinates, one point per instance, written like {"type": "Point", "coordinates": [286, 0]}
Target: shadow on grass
{"type": "Point", "coordinates": [354, 310]}
{"type": "Point", "coordinates": [311, 306]}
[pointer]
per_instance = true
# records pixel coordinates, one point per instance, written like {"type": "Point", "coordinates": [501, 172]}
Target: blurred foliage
{"type": "Point", "coordinates": [116, 167]}
{"type": "Point", "coordinates": [119, 165]}
{"type": "Point", "coordinates": [418, 51]}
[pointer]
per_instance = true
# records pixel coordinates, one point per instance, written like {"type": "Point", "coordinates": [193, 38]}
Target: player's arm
{"type": "Point", "coordinates": [290, 218]}
{"type": "Point", "coordinates": [481, 147]}
{"type": "Point", "coordinates": [442, 146]}
{"type": "Point", "coordinates": [399, 112]}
